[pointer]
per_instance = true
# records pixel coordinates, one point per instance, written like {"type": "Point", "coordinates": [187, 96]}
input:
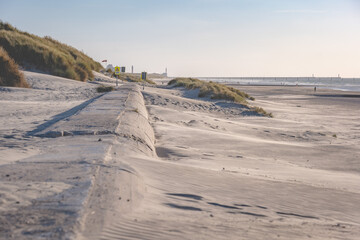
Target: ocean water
{"type": "Point", "coordinates": [344, 84]}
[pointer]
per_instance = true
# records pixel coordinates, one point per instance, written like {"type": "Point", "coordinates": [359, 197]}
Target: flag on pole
{"type": "Point", "coordinates": [104, 61]}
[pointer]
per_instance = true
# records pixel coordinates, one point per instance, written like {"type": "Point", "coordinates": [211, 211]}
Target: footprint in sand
{"type": "Point", "coordinates": [186, 195]}
{"type": "Point", "coordinates": [296, 215]}
{"type": "Point", "coordinates": [182, 207]}
{"type": "Point", "coordinates": [208, 154]}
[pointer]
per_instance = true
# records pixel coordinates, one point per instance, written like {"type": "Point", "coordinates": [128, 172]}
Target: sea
{"type": "Point", "coordinates": [336, 83]}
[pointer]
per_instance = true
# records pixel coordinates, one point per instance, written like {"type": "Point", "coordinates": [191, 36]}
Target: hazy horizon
{"type": "Point", "coordinates": [204, 38]}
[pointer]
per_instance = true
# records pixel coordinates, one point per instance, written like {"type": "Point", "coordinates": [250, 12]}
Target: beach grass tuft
{"type": "Point", "coordinates": [212, 89]}
{"type": "Point", "coordinates": [10, 74]}
{"type": "Point", "coordinates": [46, 54]}
{"type": "Point", "coordinates": [103, 88]}
{"type": "Point", "coordinates": [217, 91]}
{"type": "Point", "coordinates": [262, 112]}
{"type": "Point", "coordinates": [129, 77]}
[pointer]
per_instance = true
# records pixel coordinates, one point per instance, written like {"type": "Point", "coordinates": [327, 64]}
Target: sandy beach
{"type": "Point", "coordinates": [161, 163]}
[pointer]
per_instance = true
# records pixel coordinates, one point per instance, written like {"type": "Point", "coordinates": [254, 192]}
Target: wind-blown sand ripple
{"type": "Point", "coordinates": [223, 176]}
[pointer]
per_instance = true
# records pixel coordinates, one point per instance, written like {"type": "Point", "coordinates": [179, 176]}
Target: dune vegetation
{"type": "Point", "coordinates": [103, 88]}
{"type": "Point", "coordinates": [212, 89]}
{"type": "Point", "coordinates": [46, 54]}
{"type": "Point", "coordinates": [217, 91]}
{"type": "Point", "coordinates": [132, 77]}
{"type": "Point", "coordinates": [9, 72]}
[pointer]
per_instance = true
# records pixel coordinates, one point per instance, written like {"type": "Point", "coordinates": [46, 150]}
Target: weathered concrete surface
{"type": "Point", "coordinates": [99, 117]}
{"type": "Point", "coordinates": [122, 113]}
{"type": "Point", "coordinates": [56, 187]}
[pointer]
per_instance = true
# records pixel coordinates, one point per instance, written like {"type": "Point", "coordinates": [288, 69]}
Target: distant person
{"type": "Point", "coordinates": [314, 89]}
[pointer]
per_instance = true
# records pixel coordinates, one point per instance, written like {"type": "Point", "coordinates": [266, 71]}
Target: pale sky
{"type": "Point", "coordinates": [203, 38]}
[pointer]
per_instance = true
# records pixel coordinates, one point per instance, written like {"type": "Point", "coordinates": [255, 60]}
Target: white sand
{"type": "Point", "coordinates": [22, 110]}
{"type": "Point", "coordinates": [27, 184]}
{"type": "Point", "coordinates": [210, 173]}
{"type": "Point", "coordinates": [220, 175]}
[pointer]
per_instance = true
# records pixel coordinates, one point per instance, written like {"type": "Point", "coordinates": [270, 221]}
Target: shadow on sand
{"type": "Point", "coordinates": [61, 116]}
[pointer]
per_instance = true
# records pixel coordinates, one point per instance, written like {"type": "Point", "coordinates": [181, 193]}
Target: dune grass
{"type": "Point", "coordinates": [131, 77]}
{"type": "Point", "coordinates": [212, 90]}
{"type": "Point", "coordinates": [46, 54]}
{"type": "Point", "coordinates": [9, 72]}
{"type": "Point", "coordinates": [218, 91]}
{"type": "Point", "coordinates": [103, 88]}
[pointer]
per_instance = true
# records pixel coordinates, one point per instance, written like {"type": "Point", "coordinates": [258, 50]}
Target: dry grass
{"type": "Point", "coordinates": [212, 90]}
{"type": "Point", "coordinates": [46, 54]}
{"type": "Point", "coordinates": [217, 91]}
{"type": "Point", "coordinates": [262, 111]}
{"type": "Point", "coordinates": [103, 88]}
{"type": "Point", "coordinates": [9, 72]}
{"type": "Point", "coordinates": [130, 77]}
